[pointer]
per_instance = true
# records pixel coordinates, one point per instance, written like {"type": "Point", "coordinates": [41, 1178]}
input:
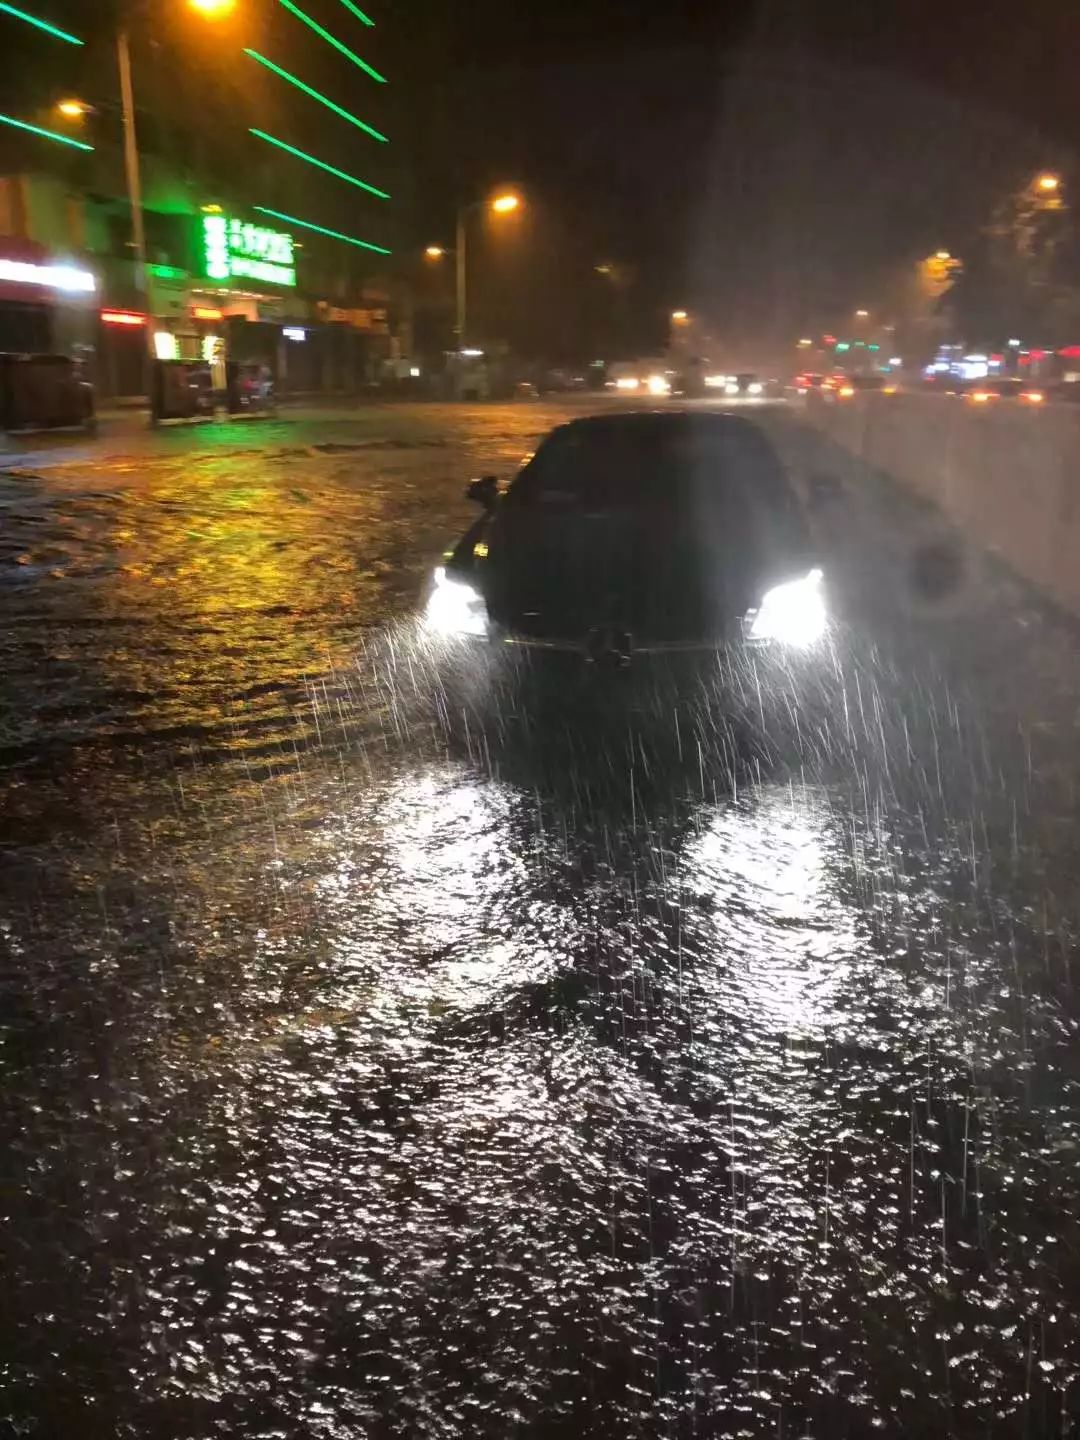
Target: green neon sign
{"type": "Point", "coordinates": [40, 24]}
{"type": "Point", "coordinates": [48, 134]}
{"type": "Point", "coordinates": [237, 250]}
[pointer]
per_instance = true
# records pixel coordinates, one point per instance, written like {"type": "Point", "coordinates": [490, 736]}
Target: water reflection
{"type": "Point", "coordinates": [375, 1092]}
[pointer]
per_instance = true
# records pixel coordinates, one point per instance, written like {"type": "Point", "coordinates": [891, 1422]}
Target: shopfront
{"type": "Point", "coordinates": [233, 302]}
{"type": "Point", "coordinates": [48, 302]}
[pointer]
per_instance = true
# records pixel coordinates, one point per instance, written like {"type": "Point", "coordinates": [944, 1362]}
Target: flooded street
{"type": "Point", "coordinates": [378, 1063]}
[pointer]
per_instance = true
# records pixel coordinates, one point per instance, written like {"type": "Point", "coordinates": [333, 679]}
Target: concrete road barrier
{"type": "Point", "coordinates": [1007, 473]}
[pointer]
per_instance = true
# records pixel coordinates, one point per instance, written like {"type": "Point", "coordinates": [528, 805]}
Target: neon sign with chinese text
{"type": "Point", "coordinates": [237, 250]}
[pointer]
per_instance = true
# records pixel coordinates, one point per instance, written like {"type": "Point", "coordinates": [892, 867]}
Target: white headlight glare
{"type": "Point", "coordinates": [755, 387]}
{"type": "Point", "coordinates": [792, 614]}
{"type": "Point", "coordinates": [455, 608]}
{"type": "Point", "coordinates": [731, 388]}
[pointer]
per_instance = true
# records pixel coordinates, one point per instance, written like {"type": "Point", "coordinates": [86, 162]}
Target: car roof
{"type": "Point", "coordinates": [660, 421]}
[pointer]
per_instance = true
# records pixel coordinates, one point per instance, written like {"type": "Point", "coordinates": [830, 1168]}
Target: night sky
{"type": "Point", "coordinates": [767, 164]}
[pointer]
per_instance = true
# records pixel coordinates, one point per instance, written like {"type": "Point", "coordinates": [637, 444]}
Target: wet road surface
{"type": "Point", "coordinates": [381, 1060]}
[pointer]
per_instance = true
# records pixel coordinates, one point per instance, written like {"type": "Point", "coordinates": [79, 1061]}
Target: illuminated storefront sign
{"type": "Point", "coordinates": [55, 277]}
{"type": "Point", "coordinates": [237, 250]}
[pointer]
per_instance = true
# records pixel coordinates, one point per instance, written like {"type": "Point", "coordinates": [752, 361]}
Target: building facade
{"type": "Point", "coordinates": [246, 252]}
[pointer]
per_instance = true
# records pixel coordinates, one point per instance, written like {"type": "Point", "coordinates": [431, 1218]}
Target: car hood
{"type": "Point", "coordinates": [658, 576]}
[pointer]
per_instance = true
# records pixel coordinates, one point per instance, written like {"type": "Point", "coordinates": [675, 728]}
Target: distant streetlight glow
{"type": "Point", "coordinates": [1048, 182]}
{"type": "Point", "coordinates": [73, 109]}
{"type": "Point", "coordinates": [804, 343]}
{"type": "Point", "coordinates": [213, 9]}
{"type": "Point", "coordinates": [862, 314]}
{"type": "Point", "coordinates": [504, 204]}
{"type": "Point", "coordinates": [942, 255]}
{"type": "Point", "coordinates": [680, 317]}
{"type": "Point", "coordinates": [434, 252]}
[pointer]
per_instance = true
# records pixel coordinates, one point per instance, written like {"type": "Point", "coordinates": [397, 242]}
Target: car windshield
{"type": "Point", "coordinates": [656, 467]}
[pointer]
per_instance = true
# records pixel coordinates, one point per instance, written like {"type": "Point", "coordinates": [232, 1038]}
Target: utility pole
{"type": "Point", "coordinates": [459, 261]}
{"type": "Point", "coordinates": [131, 161]}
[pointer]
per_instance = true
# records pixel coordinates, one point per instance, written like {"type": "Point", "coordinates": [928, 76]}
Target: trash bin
{"type": "Point", "coordinates": [44, 392]}
{"type": "Point", "coordinates": [181, 390]}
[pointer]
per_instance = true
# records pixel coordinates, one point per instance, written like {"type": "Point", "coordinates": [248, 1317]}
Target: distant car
{"type": "Point", "coordinates": [638, 379]}
{"type": "Point", "coordinates": [984, 392]}
{"type": "Point", "coordinates": [745, 385]}
{"type": "Point", "coordinates": [808, 380]}
{"type": "Point", "coordinates": [847, 387]}
{"type": "Point", "coordinates": [635, 534]}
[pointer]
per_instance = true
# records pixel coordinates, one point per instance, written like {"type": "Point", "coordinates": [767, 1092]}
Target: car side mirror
{"type": "Point", "coordinates": [483, 491]}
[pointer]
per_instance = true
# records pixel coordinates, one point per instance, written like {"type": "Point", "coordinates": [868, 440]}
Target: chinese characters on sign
{"type": "Point", "coordinates": [237, 250]}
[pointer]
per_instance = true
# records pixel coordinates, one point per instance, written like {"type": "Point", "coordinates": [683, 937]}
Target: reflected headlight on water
{"type": "Point", "coordinates": [792, 614]}
{"type": "Point", "coordinates": [454, 608]}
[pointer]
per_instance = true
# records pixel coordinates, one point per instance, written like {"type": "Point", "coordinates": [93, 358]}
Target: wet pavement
{"type": "Point", "coordinates": [386, 1053]}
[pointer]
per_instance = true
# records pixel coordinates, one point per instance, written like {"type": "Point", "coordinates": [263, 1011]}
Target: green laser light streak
{"type": "Point", "coordinates": [322, 165]}
{"type": "Point", "coordinates": [364, 19]}
{"type": "Point", "coordinates": [320, 229]}
{"type": "Point", "coordinates": [315, 94]}
{"type": "Point", "coordinates": [330, 40]}
{"type": "Point", "coordinates": [42, 25]}
{"type": "Point", "coordinates": [48, 134]}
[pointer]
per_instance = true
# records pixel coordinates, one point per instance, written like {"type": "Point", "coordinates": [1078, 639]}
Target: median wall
{"type": "Point", "coordinates": [1006, 473]}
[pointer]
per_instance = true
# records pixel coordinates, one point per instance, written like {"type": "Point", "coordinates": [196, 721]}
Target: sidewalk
{"type": "Point", "coordinates": [126, 430]}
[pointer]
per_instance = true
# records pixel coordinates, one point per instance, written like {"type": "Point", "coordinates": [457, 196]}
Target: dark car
{"type": "Point", "coordinates": [1003, 387]}
{"type": "Point", "coordinates": [635, 534]}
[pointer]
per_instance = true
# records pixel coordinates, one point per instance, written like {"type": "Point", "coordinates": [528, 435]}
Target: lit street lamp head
{"type": "Point", "coordinates": [73, 109]}
{"type": "Point", "coordinates": [213, 9]}
{"type": "Point", "coordinates": [942, 255]}
{"type": "Point", "coordinates": [1048, 182]}
{"type": "Point", "coordinates": [434, 252]}
{"type": "Point", "coordinates": [504, 204]}
{"type": "Point", "coordinates": [680, 317]}
{"type": "Point", "coordinates": [862, 314]}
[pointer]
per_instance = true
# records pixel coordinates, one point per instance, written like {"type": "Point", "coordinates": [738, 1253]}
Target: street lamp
{"type": "Point", "coordinates": [862, 314]}
{"type": "Point", "coordinates": [74, 109]}
{"type": "Point", "coordinates": [679, 317]}
{"type": "Point", "coordinates": [208, 9]}
{"type": "Point", "coordinates": [434, 252]}
{"type": "Point", "coordinates": [1048, 182]}
{"type": "Point", "coordinates": [942, 255]}
{"type": "Point", "coordinates": [502, 203]}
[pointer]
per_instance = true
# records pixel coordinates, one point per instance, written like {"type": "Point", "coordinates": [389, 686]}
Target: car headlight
{"type": "Point", "coordinates": [793, 613]}
{"type": "Point", "coordinates": [657, 385]}
{"type": "Point", "coordinates": [455, 608]}
{"type": "Point", "coordinates": [755, 387]}
{"type": "Point", "coordinates": [731, 389]}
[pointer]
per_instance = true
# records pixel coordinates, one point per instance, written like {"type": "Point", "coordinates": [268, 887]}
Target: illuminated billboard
{"type": "Point", "coordinates": [237, 250]}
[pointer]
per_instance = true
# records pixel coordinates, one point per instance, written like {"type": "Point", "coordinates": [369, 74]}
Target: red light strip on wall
{"type": "Point", "coordinates": [122, 317]}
